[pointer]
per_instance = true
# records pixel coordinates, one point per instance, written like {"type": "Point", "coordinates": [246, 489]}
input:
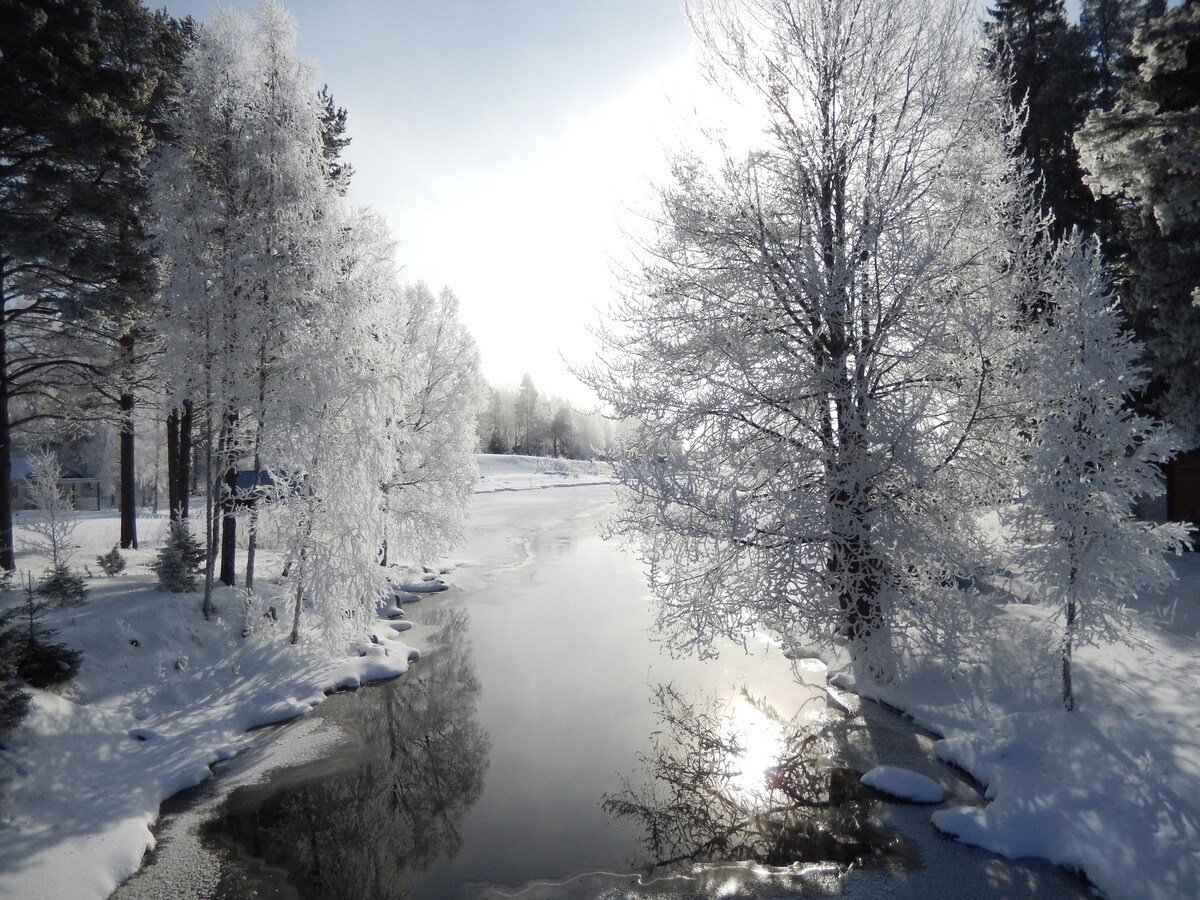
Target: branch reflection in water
{"type": "Point", "coordinates": [356, 833]}
{"type": "Point", "coordinates": [734, 781]}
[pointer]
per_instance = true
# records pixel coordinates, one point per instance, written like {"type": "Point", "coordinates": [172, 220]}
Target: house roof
{"type": "Point", "coordinates": [21, 469]}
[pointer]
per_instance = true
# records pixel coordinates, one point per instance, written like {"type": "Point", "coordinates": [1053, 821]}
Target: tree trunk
{"type": "Point", "coordinates": [128, 503]}
{"type": "Point", "coordinates": [174, 504]}
{"type": "Point", "coordinates": [259, 427]}
{"type": "Point", "coordinates": [185, 458]}
{"type": "Point", "coordinates": [228, 510]}
{"type": "Point", "coordinates": [210, 509]}
{"type": "Point", "coordinates": [1068, 695]}
{"type": "Point", "coordinates": [8, 561]}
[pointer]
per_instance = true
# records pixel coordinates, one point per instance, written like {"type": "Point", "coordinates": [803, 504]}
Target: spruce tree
{"type": "Point", "coordinates": [1052, 77]}
{"type": "Point", "coordinates": [1145, 153]}
{"type": "Point", "coordinates": [179, 560]}
{"type": "Point", "coordinates": [1107, 27]}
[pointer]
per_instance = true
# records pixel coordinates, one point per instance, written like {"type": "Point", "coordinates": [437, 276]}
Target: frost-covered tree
{"type": "Point", "coordinates": [52, 526]}
{"type": "Point", "coordinates": [1145, 152]}
{"type": "Point", "coordinates": [244, 198]}
{"type": "Point", "coordinates": [428, 492]}
{"type": "Point", "coordinates": [816, 342]}
{"type": "Point", "coordinates": [350, 385]}
{"type": "Point", "coordinates": [1089, 460]}
{"type": "Point", "coordinates": [525, 416]}
{"type": "Point", "coordinates": [52, 522]}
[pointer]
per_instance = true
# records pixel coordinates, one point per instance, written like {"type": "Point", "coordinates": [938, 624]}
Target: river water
{"type": "Point", "coordinates": [540, 695]}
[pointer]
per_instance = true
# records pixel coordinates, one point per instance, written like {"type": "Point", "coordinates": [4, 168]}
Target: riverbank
{"type": "Point", "coordinates": [1111, 789]}
{"type": "Point", "coordinates": [162, 695]}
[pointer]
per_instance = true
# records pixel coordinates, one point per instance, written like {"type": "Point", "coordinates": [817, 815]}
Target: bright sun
{"type": "Point", "coordinates": [761, 739]}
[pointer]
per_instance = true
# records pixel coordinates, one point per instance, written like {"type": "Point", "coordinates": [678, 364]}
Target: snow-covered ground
{"type": "Point", "coordinates": [1111, 789]}
{"type": "Point", "coordinates": [523, 473]}
{"type": "Point", "coordinates": [162, 694]}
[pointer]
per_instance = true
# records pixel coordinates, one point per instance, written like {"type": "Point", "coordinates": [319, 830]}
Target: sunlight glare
{"type": "Point", "coordinates": [762, 742]}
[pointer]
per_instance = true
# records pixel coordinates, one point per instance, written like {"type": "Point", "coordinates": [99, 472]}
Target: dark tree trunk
{"type": "Point", "coordinates": [225, 485]}
{"type": "Point", "coordinates": [128, 502]}
{"type": "Point", "coordinates": [173, 482]}
{"type": "Point", "coordinates": [229, 528]}
{"type": "Point", "coordinates": [1068, 694]}
{"type": "Point", "coordinates": [185, 458]}
{"type": "Point", "coordinates": [8, 559]}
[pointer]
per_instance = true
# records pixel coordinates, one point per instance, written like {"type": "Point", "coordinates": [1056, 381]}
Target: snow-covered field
{"type": "Point", "coordinates": [161, 695]}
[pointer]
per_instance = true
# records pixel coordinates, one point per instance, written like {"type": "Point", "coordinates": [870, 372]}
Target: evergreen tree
{"type": "Point", "coordinates": [1145, 153]}
{"type": "Point", "coordinates": [525, 413]}
{"type": "Point", "coordinates": [1107, 27]}
{"type": "Point", "coordinates": [1051, 78]}
{"type": "Point", "coordinates": [180, 559]}
{"type": "Point", "coordinates": [334, 140]}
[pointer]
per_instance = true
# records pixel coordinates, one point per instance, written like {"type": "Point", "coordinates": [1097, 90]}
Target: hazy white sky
{"type": "Point", "coordinates": [502, 139]}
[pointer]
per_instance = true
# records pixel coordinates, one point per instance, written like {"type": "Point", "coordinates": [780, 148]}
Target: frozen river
{"type": "Point", "coordinates": [482, 773]}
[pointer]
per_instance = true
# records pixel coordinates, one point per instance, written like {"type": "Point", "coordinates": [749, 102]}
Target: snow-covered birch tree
{"type": "Point", "coordinates": [351, 380]}
{"type": "Point", "coordinates": [816, 339]}
{"type": "Point", "coordinates": [245, 204]}
{"type": "Point", "coordinates": [427, 494]}
{"type": "Point", "coordinates": [1090, 459]}
{"type": "Point", "coordinates": [201, 217]}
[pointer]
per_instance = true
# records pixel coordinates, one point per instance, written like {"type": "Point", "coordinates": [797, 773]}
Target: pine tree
{"type": "Point", "coordinates": [1145, 152]}
{"type": "Point", "coordinates": [67, 144]}
{"type": "Point", "coordinates": [525, 412]}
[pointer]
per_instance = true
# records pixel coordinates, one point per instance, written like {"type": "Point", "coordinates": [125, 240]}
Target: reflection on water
{"type": "Point", "coordinates": [392, 811]}
{"type": "Point", "coordinates": [737, 783]}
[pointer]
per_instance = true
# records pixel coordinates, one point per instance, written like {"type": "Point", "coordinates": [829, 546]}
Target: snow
{"type": "Point", "coordinates": [163, 694]}
{"type": "Point", "coordinates": [904, 784]}
{"type": "Point", "coordinates": [524, 473]}
{"type": "Point", "coordinates": [1110, 789]}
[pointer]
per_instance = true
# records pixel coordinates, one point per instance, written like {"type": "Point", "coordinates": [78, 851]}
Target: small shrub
{"type": "Point", "coordinates": [179, 560]}
{"type": "Point", "coordinates": [111, 563]}
{"type": "Point", "coordinates": [63, 587]}
{"type": "Point", "coordinates": [28, 656]}
{"type": "Point", "coordinates": [14, 703]}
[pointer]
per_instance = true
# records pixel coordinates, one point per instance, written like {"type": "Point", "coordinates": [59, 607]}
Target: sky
{"type": "Point", "coordinates": [505, 141]}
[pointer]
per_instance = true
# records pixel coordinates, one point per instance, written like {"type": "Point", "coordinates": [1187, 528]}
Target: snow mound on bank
{"type": "Point", "coordinates": [904, 784]}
